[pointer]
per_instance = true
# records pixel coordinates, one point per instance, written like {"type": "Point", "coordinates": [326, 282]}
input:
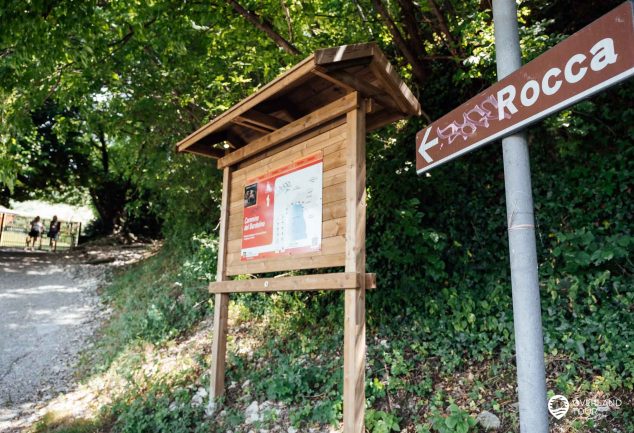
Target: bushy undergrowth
{"type": "Point", "coordinates": [160, 298]}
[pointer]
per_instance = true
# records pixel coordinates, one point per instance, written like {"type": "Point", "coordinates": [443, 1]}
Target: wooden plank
{"type": "Point", "coordinates": [343, 53]}
{"type": "Point", "coordinates": [354, 315]}
{"type": "Point", "coordinates": [334, 281]}
{"type": "Point", "coordinates": [219, 346]}
{"type": "Point", "coordinates": [221, 301]}
{"type": "Point", "coordinates": [393, 84]}
{"type": "Point", "coordinates": [334, 193]}
{"type": "Point", "coordinates": [206, 150]}
{"type": "Point", "coordinates": [321, 72]}
{"type": "Point", "coordinates": [292, 77]}
{"type": "Point", "coordinates": [367, 89]}
{"type": "Point", "coordinates": [334, 176]}
{"type": "Point", "coordinates": [264, 120]}
{"type": "Point", "coordinates": [242, 121]}
{"type": "Point", "coordinates": [224, 224]}
{"type": "Point", "coordinates": [289, 264]}
{"type": "Point", "coordinates": [292, 142]}
{"type": "Point", "coordinates": [317, 117]}
{"type": "Point", "coordinates": [333, 227]}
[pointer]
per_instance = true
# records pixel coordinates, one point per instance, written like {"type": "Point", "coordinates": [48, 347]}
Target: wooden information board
{"type": "Point", "coordinates": [293, 193]}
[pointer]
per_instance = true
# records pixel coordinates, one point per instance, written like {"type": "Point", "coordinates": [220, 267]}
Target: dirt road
{"type": "Point", "coordinates": [49, 309]}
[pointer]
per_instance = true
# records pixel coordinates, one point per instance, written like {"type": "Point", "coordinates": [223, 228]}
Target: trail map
{"type": "Point", "coordinates": [283, 210]}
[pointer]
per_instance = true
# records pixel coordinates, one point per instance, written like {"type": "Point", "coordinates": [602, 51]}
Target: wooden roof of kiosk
{"type": "Point", "coordinates": [299, 100]}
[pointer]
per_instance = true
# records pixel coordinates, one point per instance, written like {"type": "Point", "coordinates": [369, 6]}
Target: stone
{"type": "Point", "coordinates": [488, 420]}
{"type": "Point", "coordinates": [291, 430]}
{"type": "Point", "coordinates": [252, 413]}
{"type": "Point", "coordinates": [211, 409]}
{"type": "Point", "coordinates": [199, 397]}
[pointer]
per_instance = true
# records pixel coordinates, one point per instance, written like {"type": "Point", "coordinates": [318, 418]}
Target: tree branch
{"type": "Point", "coordinates": [363, 17]}
{"type": "Point", "coordinates": [444, 28]}
{"type": "Point", "coordinates": [5, 52]}
{"type": "Point", "coordinates": [105, 160]}
{"type": "Point", "coordinates": [414, 35]}
{"type": "Point", "coordinates": [265, 26]}
{"type": "Point", "coordinates": [417, 67]}
{"type": "Point", "coordinates": [289, 23]}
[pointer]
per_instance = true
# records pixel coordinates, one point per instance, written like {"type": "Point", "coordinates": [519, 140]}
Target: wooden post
{"type": "Point", "coordinates": [221, 302]}
{"type": "Point", "coordinates": [78, 234]}
{"type": "Point", "coordinates": [354, 326]}
{"type": "Point", "coordinates": [72, 235]}
{"type": "Point", "coordinates": [1, 228]}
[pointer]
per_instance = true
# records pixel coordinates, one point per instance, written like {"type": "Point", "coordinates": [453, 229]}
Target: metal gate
{"type": "Point", "coordinates": [15, 228]}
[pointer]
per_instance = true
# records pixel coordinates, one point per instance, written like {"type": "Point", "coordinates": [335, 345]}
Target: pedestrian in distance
{"type": "Point", "coordinates": [34, 233]}
{"type": "Point", "coordinates": [53, 233]}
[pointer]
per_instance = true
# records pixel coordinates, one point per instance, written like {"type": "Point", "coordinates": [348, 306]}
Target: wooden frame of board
{"type": "Point", "coordinates": [325, 104]}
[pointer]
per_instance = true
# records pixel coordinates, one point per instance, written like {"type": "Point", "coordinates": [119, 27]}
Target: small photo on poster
{"type": "Point", "coordinates": [250, 195]}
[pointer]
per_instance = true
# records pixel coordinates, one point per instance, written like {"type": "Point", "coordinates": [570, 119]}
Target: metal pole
{"type": "Point", "coordinates": [529, 343]}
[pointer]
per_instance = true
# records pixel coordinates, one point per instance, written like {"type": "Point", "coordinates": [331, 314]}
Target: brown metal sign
{"type": "Point", "coordinates": [598, 56]}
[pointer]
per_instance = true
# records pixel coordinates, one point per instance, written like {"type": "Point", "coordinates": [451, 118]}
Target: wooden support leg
{"type": "Point", "coordinates": [219, 350]}
{"type": "Point", "coordinates": [221, 302]}
{"type": "Point", "coordinates": [354, 327]}
{"type": "Point", "coordinates": [354, 361]}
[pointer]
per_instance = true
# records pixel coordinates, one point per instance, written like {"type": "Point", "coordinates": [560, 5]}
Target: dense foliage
{"type": "Point", "coordinates": [95, 94]}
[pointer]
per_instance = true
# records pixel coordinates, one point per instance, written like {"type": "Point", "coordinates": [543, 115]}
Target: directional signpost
{"type": "Point", "coordinates": [598, 56]}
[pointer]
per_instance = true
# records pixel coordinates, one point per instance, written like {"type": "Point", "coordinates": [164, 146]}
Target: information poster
{"type": "Point", "coordinates": [283, 210]}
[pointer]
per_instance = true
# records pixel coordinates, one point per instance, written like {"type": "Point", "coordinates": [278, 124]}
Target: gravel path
{"type": "Point", "coordinates": [48, 311]}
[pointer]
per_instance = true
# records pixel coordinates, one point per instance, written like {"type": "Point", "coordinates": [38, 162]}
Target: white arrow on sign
{"type": "Point", "coordinates": [424, 146]}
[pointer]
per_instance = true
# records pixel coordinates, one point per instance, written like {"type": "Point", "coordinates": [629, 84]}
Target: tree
{"type": "Point", "coordinates": [122, 82]}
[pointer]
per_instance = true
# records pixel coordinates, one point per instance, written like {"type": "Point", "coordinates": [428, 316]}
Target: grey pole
{"type": "Point", "coordinates": [529, 343]}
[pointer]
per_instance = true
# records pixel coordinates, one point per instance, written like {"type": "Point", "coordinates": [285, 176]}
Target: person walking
{"type": "Point", "coordinates": [53, 233]}
{"type": "Point", "coordinates": [35, 232]}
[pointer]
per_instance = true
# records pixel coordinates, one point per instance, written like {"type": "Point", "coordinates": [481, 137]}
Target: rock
{"type": "Point", "coordinates": [488, 420]}
{"type": "Point", "coordinates": [199, 397]}
{"type": "Point", "coordinates": [211, 408]}
{"type": "Point", "coordinates": [291, 430]}
{"type": "Point", "coordinates": [246, 384]}
{"type": "Point", "coordinates": [252, 414]}
{"type": "Point", "coordinates": [270, 407]}
{"type": "Point", "coordinates": [174, 406]}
